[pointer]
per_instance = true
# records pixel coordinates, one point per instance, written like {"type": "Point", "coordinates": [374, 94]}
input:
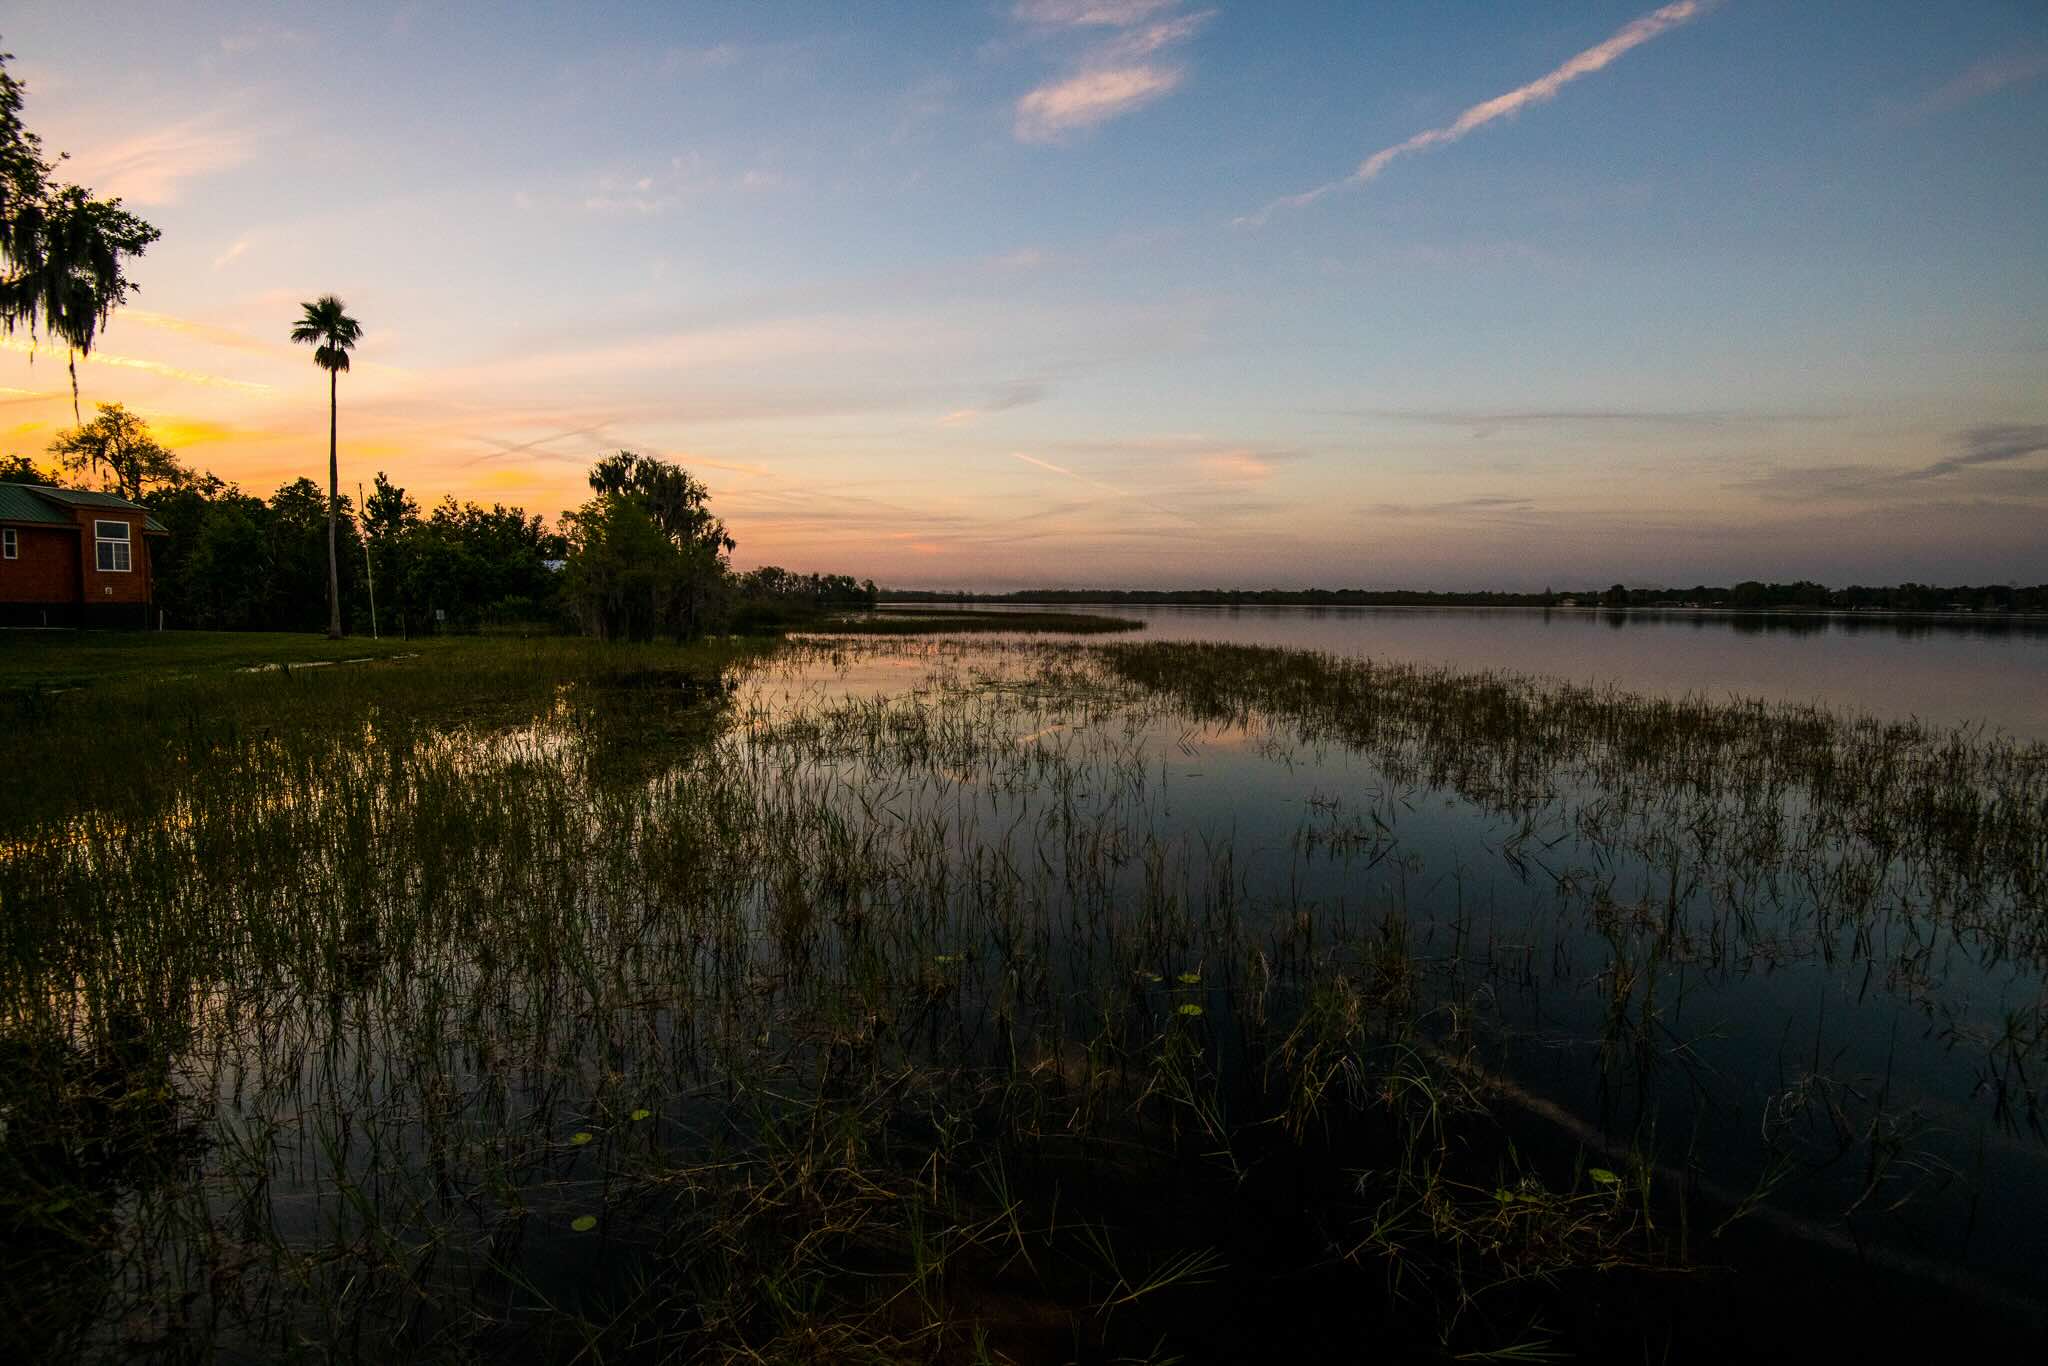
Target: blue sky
{"type": "Point", "coordinates": [1034, 292]}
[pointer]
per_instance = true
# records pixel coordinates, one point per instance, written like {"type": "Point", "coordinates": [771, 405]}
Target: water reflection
{"type": "Point", "coordinates": [637, 966]}
{"type": "Point", "coordinates": [1955, 669]}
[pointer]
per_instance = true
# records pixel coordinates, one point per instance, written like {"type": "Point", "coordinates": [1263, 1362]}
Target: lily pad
{"type": "Point", "coordinates": [583, 1223]}
{"type": "Point", "coordinates": [1604, 1176]}
{"type": "Point", "coordinates": [1190, 1009]}
{"type": "Point", "coordinates": [581, 1137]}
{"type": "Point", "coordinates": [641, 1114]}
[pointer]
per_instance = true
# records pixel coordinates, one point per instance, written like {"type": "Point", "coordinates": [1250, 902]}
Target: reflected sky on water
{"type": "Point", "coordinates": [1961, 670]}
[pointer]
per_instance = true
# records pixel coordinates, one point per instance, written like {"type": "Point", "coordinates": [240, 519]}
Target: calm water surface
{"type": "Point", "coordinates": [1871, 1076]}
{"type": "Point", "coordinates": [1851, 1027]}
{"type": "Point", "coordinates": [1950, 671]}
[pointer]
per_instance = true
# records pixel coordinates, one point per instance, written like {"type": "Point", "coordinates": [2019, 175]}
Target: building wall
{"type": "Point", "coordinates": [100, 590]}
{"type": "Point", "coordinates": [47, 570]}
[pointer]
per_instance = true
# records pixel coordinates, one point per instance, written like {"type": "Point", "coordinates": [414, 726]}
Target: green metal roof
{"type": "Point", "coordinates": [18, 503]}
{"type": "Point", "coordinates": [41, 503]}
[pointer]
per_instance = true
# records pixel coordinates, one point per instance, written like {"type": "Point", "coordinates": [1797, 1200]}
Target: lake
{"type": "Point", "coordinates": [1719, 974]}
{"type": "Point", "coordinates": [1954, 670]}
{"type": "Point", "coordinates": [1106, 997]}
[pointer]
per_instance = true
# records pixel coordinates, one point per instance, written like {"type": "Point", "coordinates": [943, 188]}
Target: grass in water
{"type": "Point", "coordinates": [536, 999]}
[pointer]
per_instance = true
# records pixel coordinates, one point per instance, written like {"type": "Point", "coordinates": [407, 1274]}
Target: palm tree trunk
{"type": "Point", "coordinates": [333, 505]}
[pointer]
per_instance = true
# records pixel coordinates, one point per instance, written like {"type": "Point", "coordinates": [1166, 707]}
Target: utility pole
{"type": "Point", "coordinates": [363, 516]}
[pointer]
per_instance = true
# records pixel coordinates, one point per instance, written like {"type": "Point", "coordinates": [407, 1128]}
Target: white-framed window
{"type": "Point", "coordinates": [110, 541]}
{"type": "Point", "coordinates": [10, 543]}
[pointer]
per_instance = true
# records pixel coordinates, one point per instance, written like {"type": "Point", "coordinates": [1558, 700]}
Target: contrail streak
{"type": "Point", "coordinates": [1629, 36]}
{"type": "Point", "coordinates": [1062, 469]}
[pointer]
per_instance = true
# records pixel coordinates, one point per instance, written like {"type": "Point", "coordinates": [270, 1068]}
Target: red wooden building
{"type": "Point", "coordinates": [70, 558]}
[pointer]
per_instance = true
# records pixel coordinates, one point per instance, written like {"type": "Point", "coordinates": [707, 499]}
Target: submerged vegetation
{"type": "Point", "coordinates": [981, 1001]}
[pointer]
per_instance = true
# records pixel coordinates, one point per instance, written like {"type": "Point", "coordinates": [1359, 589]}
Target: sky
{"type": "Point", "coordinates": [997, 294]}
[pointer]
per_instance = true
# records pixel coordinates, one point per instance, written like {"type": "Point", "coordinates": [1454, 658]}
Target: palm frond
{"type": "Point", "coordinates": [325, 325]}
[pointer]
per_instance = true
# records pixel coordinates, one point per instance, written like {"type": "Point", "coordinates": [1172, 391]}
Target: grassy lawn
{"type": "Point", "coordinates": [72, 659]}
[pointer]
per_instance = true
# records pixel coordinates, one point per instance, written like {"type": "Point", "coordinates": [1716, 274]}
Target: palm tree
{"type": "Point", "coordinates": [331, 333]}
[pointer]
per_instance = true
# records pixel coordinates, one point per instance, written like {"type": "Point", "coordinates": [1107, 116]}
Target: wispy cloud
{"type": "Point", "coordinates": [205, 332]}
{"type": "Point", "coordinates": [1014, 396]}
{"type": "Point", "coordinates": [1236, 467]}
{"type": "Point", "coordinates": [1051, 111]}
{"type": "Point", "coordinates": [1996, 445]}
{"type": "Point", "coordinates": [635, 194]}
{"type": "Point", "coordinates": [227, 257]}
{"type": "Point", "coordinates": [1628, 37]}
{"type": "Point", "coordinates": [1811, 482]}
{"type": "Point", "coordinates": [152, 367]}
{"type": "Point", "coordinates": [1090, 13]}
{"type": "Point", "coordinates": [1981, 468]}
{"type": "Point", "coordinates": [1481, 507]}
{"type": "Point", "coordinates": [1484, 421]}
{"type": "Point", "coordinates": [1987, 77]}
{"type": "Point", "coordinates": [1118, 73]}
{"type": "Point", "coordinates": [151, 168]}
{"type": "Point", "coordinates": [688, 177]}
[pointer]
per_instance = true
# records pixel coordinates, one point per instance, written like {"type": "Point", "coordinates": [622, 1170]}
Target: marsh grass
{"type": "Point", "coordinates": [545, 1000]}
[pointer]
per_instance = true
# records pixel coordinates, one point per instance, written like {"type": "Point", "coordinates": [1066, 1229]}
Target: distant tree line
{"type": "Point", "coordinates": [772, 598]}
{"type": "Point", "coordinates": [237, 562]}
{"type": "Point", "coordinates": [1805, 595]}
{"type": "Point", "coordinates": [1232, 597]}
{"type": "Point", "coordinates": [1748, 595]}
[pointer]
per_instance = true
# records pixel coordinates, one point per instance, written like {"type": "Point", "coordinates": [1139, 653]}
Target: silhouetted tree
{"type": "Point", "coordinates": [677, 505]}
{"type": "Point", "coordinates": [625, 573]}
{"type": "Point", "coordinates": [19, 469]}
{"type": "Point", "coordinates": [65, 253]}
{"type": "Point", "coordinates": [389, 511]}
{"type": "Point", "coordinates": [117, 442]}
{"type": "Point", "coordinates": [326, 326]}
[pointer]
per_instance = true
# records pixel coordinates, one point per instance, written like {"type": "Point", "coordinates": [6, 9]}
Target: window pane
{"type": "Point", "coordinates": [111, 531]}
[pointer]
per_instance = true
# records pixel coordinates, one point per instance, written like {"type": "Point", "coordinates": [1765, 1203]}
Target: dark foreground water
{"type": "Point", "coordinates": [663, 1016]}
{"type": "Point", "coordinates": [1839, 1040]}
{"type": "Point", "coordinates": [1961, 670]}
